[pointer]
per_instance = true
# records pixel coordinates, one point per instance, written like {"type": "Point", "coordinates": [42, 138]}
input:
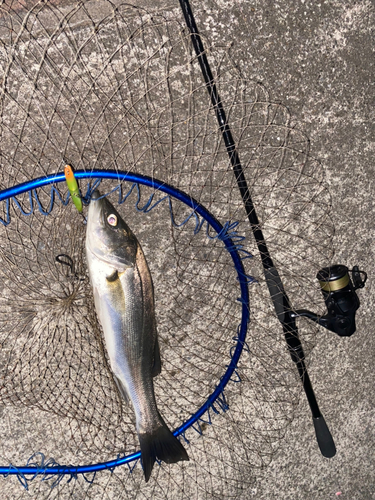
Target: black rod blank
{"type": "Point", "coordinates": [273, 280]}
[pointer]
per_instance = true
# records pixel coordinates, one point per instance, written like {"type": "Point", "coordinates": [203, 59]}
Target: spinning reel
{"type": "Point", "coordinates": [339, 292]}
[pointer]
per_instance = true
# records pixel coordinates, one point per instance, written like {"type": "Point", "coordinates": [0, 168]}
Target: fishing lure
{"type": "Point", "coordinates": [72, 184]}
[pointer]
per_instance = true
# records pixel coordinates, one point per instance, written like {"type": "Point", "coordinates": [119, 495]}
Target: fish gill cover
{"type": "Point", "coordinates": [119, 88]}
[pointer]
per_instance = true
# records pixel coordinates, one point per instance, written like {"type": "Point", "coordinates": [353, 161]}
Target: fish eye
{"type": "Point", "coordinates": [112, 220]}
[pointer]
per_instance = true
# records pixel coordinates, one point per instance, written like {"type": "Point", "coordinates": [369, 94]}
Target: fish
{"type": "Point", "coordinates": [124, 303]}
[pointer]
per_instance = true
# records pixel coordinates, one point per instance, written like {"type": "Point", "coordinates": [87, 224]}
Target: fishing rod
{"type": "Point", "coordinates": [338, 290]}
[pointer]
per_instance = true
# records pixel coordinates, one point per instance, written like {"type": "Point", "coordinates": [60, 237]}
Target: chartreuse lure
{"type": "Point", "coordinates": [72, 184]}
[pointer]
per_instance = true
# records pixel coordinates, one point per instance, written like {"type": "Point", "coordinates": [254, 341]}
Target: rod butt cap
{"type": "Point", "coordinates": [324, 437]}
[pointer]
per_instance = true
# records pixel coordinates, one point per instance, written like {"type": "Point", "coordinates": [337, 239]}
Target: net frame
{"type": "Point", "coordinates": [222, 234]}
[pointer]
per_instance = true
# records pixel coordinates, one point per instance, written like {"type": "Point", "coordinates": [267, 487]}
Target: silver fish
{"type": "Point", "coordinates": [124, 302]}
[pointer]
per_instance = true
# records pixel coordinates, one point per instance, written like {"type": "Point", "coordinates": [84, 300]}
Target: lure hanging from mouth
{"type": "Point", "coordinates": [72, 184]}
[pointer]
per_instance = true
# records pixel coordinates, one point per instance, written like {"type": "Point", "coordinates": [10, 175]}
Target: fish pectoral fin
{"type": "Point", "coordinates": [121, 389]}
{"type": "Point", "coordinates": [156, 369]}
{"type": "Point", "coordinates": [113, 277]}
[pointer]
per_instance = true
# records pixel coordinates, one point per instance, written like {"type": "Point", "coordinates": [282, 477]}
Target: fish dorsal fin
{"type": "Point", "coordinates": [121, 389]}
{"type": "Point", "coordinates": [156, 369]}
{"type": "Point", "coordinates": [113, 277]}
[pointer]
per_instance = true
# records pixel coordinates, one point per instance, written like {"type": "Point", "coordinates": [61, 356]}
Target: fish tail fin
{"type": "Point", "coordinates": [161, 444]}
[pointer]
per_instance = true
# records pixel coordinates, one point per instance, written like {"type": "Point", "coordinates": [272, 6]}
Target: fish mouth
{"type": "Point", "coordinates": [95, 215]}
{"type": "Point", "coordinates": [117, 264]}
{"type": "Point", "coordinates": [95, 195]}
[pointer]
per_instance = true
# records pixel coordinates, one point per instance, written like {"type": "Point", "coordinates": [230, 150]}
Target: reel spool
{"type": "Point", "coordinates": [342, 302]}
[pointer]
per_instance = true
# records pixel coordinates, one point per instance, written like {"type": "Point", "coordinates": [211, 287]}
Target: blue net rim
{"type": "Point", "coordinates": [244, 300]}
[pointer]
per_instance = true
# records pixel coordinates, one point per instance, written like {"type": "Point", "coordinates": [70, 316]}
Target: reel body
{"type": "Point", "coordinates": [342, 302]}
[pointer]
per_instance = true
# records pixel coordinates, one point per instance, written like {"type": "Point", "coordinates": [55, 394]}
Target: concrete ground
{"type": "Point", "coordinates": [318, 59]}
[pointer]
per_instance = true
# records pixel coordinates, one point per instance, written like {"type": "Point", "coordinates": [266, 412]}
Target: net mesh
{"type": "Point", "coordinates": [103, 85]}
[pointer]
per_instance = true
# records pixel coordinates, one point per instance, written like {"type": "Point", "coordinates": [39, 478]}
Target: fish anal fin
{"type": "Point", "coordinates": [162, 445]}
{"type": "Point", "coordinates": [156, 369]}
{"type": "Point", "coordinates": [121, 389]}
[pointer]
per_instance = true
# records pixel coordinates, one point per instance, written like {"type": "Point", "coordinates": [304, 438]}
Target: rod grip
{"type": "Point", "coordinates": [324, 437]}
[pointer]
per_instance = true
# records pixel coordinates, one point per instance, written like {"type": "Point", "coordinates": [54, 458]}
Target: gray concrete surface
{"type": "Point", "coordinates": [317, 58]}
